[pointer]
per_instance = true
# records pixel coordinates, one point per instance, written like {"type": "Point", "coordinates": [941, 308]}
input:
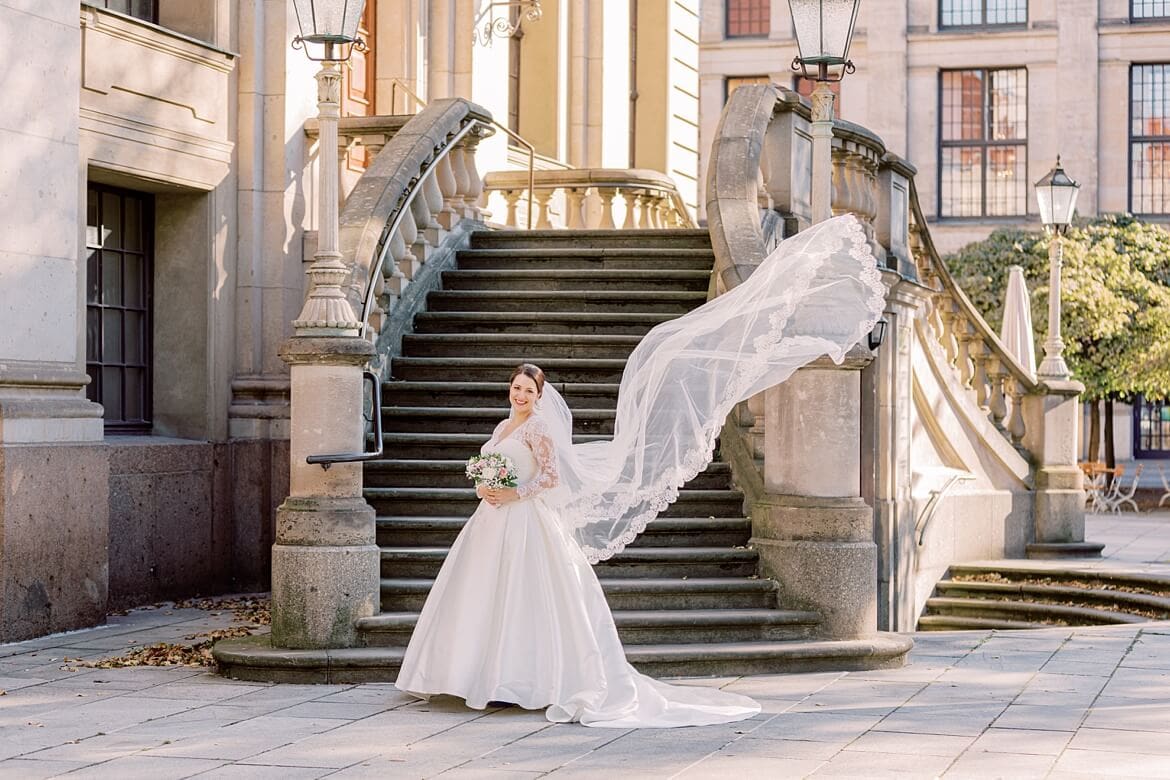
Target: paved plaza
{"type": "Point", "coordinates": [1058, 703]}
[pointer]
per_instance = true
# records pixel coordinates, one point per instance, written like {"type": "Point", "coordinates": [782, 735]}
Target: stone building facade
{"type": "Point", "coordinates": [981, 97]}
{"type": "Point", "coordinates": [158, 193]}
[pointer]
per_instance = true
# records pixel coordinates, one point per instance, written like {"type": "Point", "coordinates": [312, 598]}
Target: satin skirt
{"type": "Point", "coordinates": [517, 615]}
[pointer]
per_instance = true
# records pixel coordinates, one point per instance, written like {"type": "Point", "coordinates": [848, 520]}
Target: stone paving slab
{"type": "Point", "coordinates": [1055, 703]}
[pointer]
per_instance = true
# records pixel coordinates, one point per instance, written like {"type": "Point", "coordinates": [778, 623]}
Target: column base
{"type": "Point", "coordinates": [821, 552]}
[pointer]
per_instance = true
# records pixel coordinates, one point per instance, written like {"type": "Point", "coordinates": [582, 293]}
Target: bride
{"type": "Point", "coordinates": [516, 613]}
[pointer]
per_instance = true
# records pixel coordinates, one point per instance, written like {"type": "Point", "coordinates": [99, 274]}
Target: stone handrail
{"type": "Point", "coordinates": [409, 204]}
{"type": "Point", "coordinates": [587, 198]}
{"type": "Point", "coordinates": [984, 365]}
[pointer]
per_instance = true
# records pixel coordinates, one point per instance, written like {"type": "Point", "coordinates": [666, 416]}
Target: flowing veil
{"type": "Point", "coordinates": [818, 293]}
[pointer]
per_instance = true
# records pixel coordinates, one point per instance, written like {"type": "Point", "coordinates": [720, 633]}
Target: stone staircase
{"type": "Point", "coordinates": [981, 597]}
{"type": "Point", "coordinates": [686, 596]}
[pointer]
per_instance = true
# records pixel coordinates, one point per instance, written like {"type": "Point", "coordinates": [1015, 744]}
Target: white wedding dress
{"type": "Point", "coordinates": [516, 614]}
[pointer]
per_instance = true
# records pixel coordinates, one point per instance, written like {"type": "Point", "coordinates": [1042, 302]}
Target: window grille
{"type": "Point", "coordinates": [1151, 428]}
{"type": "Point", "coordinates": [748, 18]}
{"type": "Point", "coordinates": [119, 288]}
{"type": "Point", "coordinates": [1149, 139]}
{"type": "Point", "coordinates": [982, 13]}
{"type": "Point", "coordinates": [983, 143]}
{"type": "Point", "coordinates": [1149, 9]}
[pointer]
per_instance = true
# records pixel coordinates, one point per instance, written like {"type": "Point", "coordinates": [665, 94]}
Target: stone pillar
{"type": "Point", "coordinates": [1058, 515]}
{"type": "Point", "coordinates": [325, 560]}
{"type": "Point", "coordinates": [813, 530]}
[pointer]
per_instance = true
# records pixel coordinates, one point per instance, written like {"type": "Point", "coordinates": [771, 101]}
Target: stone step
{"type": "Point", "coordinates": [1002, 609]}
{"type": "Point", "coordinates": [519, 347]}
{"type": "Point", "coordinates": [633, 562]}
{"type": "Point", "coordinates": [444, 419]}
{"type": "Point", "coordinates": [445, 446]}
{"type": "Point", "coordinates": [956, 623]}
{"type": "Point", "coordinates": [538, 322]}
{"type": "Point", "coordinates": [552, 279]}
{"type": "Point", "coordinates": [254, 658]}
{"type": "Point", "coordinates": [578, 395]}
{"type": "Point", "coordinates": [408, 595]}
{"type": "Point", "coordinates": [495, 369]}
{"type": "Point", "coordinates": [642, 301]}
{"type": "Point", "coordinates": [448, 502]}
{"type": "Point", "coordinates": [1112, 600]}
{"type": "Point", "coordinates": [579, 258]}
{"type": "Point", "coordinates": [656, 626]}
{"type": "Point", "coordinates": [1149, 582]}
{"type": "Point", "coordinates": [432, 531]}
{"type": "Point", "coordinates": [432, 472]}
{"type": "Point", "coordinates": [545, 240]}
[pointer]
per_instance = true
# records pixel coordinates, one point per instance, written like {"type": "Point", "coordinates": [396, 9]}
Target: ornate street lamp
{"type": "Point", "coordinates": [824, 30]}
{"type": "Point", "coordinates": [331, 24]}
{"type": "Point", "coordinates": [1057, 196]}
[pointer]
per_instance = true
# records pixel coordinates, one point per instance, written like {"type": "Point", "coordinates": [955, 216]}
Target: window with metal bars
{"type": "Point", "coordinates": [982, 13]}
{"type": "Point", "coordinates": [748, 18]}
{"type": "Point", "coordinates": [1149, 139]}
{"type": "Point", "coordinates": [1149, 9]}
{"type": "Point", "coordinates": [983, 137]}
{"type": "Point", "coordinates": [119, 289]}
{"type": "Point", "coordinates": [1151, 428]}
{"type": "Point", "coordinates": [146, 10]}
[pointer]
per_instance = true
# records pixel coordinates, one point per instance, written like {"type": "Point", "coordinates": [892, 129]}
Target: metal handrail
{"type": "Point", "coordinates": [375, 418]}
{"type": "Point", "coordinates": [397, 82]}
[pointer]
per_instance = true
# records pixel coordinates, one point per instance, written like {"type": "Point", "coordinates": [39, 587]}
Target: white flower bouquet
{"type": "Point", "coordinates": [492, 470]}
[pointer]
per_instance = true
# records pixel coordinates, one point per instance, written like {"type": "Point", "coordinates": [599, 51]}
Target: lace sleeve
{"type": "Point", "coordinates": [536, 436]}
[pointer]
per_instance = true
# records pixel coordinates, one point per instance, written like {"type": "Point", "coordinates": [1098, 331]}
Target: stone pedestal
{"type": "Point", "coordinates": [813, 531]}
{"type": "Point", "coordinates": [325, 560]}
{"type": "Point", "coordinates": [1059, 511]}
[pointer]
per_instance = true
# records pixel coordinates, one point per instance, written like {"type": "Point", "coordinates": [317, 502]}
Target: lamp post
{"type": "Point", "coordinates": [1057, 196]}
{"type": "Point", "coordinates": [324, 557]}
{"type": "Point", "coordinates": [824, 29]}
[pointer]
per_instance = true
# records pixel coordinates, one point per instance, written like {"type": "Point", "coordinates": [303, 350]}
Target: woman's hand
{"type": "Point", "coordinates": [499, 496]}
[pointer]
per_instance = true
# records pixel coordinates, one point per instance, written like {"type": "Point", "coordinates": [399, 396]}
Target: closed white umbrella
{"type": "Point", "coordinates": [1016, 332]}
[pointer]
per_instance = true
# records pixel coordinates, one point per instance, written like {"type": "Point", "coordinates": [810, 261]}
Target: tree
{"type": "Point", "coordinates": [1115, 301]}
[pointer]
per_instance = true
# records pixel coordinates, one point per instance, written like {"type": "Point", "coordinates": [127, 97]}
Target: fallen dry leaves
{"type": "Point", "coordinates": [251, 611]}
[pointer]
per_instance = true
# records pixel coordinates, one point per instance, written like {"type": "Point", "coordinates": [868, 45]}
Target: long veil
{"type": "Point", "coordinates": [818, 293]}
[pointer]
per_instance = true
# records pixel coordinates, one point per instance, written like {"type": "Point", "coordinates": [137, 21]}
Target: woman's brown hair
{"type": "Point", "coordinates": [532, 372]}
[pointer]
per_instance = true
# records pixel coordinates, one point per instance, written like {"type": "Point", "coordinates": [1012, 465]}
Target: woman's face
{"type": "Point", "coordinates": [523, 393]}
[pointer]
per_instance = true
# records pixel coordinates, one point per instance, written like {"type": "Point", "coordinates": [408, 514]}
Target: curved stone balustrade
{"type": "Point", "coordinates": [590, 198]}
{"type": "Point", "coordinates": [993, 376]}
{"type": "Point", "coordinates": [417, 199]}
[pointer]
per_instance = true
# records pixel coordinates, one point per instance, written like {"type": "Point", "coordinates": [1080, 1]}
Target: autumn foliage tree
{"type": "Point", "coordinates": [1115, 302]}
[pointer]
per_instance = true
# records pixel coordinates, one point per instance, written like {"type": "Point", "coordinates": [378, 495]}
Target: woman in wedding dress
{"type": "Point", "coordinates": [516, 613]}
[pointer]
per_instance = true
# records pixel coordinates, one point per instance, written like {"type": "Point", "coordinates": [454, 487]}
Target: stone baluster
{"type": "Point", "coordinates": [511, 198]}
{"type": "Point", "coordinates": [403, 260]}
{"type": "Point", "coordinates": [644, 202]}
{"type": "Point", "coordinates": [474, 182]}
{"type": "Point", "coordinates": [396, 281]}
{"type": "Point", "coordinates": [998, 401]}
{"type": "Point", "coordinates": [631, 199]}
{"type": "Point", "coordinates": [606, 194]}
{"type": "Point", "coordinates": [420, 213]}
{"type": "Point", "coordinates": [964, 333]}
{"type": "Point", "coordinates": [574, 208]}
{"type": "Point", "coordinates": [434, 198]}
{"type": "Point", "coordinates": [1016, 426]}
{"type": "Point", "coordinates": [449, 188]}
{"type": "Point", "coordinates": [543, 197]}
{"type": "Point", "coordinates": [409, 233]}
{"type": "Point", "coordinates": [458, 157]}
{"type": "Point", "coordinates": [980, 356]}
{"type": "Point", "coordinates": [949, 320]}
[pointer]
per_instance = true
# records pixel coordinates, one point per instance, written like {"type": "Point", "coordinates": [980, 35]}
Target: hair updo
{"type": "Point", "coordinates": [531, 371]}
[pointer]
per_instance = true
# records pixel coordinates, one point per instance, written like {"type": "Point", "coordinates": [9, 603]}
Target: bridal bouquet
{"type": "Point", "coordinates": [492, 470]}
